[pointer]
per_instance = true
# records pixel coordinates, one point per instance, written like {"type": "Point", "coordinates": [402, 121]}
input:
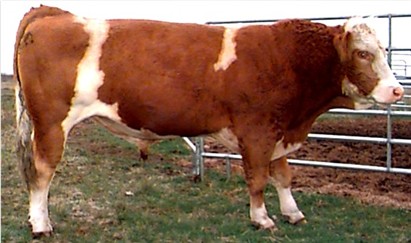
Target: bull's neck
{"type": "Point", "coordinates": [318, 78]}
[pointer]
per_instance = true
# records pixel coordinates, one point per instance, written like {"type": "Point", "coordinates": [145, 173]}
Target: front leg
{"type": "Point", "coordinates": [256, 149]}
{"type": "Point", "coordinates": [257, 178]}
{"type": "Point", "coordinates": [280, 173]}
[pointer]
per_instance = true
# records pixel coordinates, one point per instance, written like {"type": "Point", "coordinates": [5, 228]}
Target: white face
{"type": "Point", "coordinates": [369, 77]}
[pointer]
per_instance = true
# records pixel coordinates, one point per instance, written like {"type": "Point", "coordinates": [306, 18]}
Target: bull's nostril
{"type": "Point", "coordinates": [398, 92]}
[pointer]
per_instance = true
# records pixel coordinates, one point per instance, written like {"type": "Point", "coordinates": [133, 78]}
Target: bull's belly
{"type": "Point", "coordinates": [122, 130]}
{"type": "Point", "coordinates": [226, 137]}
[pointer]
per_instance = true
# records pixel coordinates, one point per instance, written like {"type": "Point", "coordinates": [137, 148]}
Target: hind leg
{"type": "Point", "coordinates": [280, 173]}
{"type": "Point", "coordinates": [48, 147]}
{"type": "Point", "coordinates": [143, 146]}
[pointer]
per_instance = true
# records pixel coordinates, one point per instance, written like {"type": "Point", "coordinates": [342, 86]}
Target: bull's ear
{"type": "Point", "coordinates": [341, 44]}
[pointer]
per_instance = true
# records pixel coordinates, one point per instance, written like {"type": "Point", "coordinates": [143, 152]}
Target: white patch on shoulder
{"type": "Point", "coordinates": [281, 150]}
{"type": "Point", "coordinates": [227, 53]}
{"type": "Point", "coordinates": [85, 102]}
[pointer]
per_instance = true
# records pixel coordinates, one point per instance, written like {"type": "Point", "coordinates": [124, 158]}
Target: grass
{"type": "Point", "coordinates": [102, 192]}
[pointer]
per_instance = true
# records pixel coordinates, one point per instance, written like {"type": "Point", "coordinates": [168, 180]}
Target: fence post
{"type": "Point", "coordinates": [389, 130]}
{"type": "Point", "coordinates": [389, 56]}
{"type": "Point", "coordinates": [228, 167]}
{"type": "Point", "coordinates": [389, 136]}
{"type": "Point", "coordinates": [198, 160]}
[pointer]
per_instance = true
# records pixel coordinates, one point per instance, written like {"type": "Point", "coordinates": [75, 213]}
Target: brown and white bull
{"type": "Point", "coordinates": [262, 85]}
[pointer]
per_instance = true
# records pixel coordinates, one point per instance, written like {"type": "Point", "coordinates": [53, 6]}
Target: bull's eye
{"type": "Point", "coordinates": [365, 55]}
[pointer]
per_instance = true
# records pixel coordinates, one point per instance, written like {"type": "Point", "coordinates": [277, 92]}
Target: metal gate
{"type": "Point", "coordinates": [401, 109]}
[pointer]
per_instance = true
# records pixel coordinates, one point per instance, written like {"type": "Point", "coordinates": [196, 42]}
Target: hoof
{"type": "Point", "coordinates": [258, 226]}
{"type": "Point", "coordinates": [39, 235]}
{"type": "Point", "coordinates": [40, 230]}
{"type": "Point", "coordinates": [196, 178]}
{"type": "Point", "coordinates": [295, 218]}
{"type": "Point", "coordinates": [266, 224]}
{"type": "Point", "coordinates": [143, 156]}
{"type": "Point", "coordinates": [301, 222]}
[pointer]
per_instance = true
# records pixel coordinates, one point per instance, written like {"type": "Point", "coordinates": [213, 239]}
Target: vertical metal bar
{"type": "Point", "coordinates": [196, 158]}
{"type": "Point", "coordinates": [389, 136]}
{"type": "Point", "coordinates": [200, 149]}
{"type": "Point", "coordinates": [228, 167]}
{"type": "Point", "coordinates": [389, 39]}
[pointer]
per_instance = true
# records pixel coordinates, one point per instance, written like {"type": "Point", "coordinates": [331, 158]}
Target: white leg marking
{"type": "Point", "coordinates": [227, 54]}
{"type": "Point", "coordinates": [38, 213]}
{"type": "Point", "coordinates": [260, 217]}
{"type": "Point", "coordinates": [85, 102]}
{"type": "Point", "coordinates": [288, 205]}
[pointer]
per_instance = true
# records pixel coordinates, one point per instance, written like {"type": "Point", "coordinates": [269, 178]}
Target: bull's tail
{"type": "Point", "coordinates": [24, 146]}
{"type": "Point", "coordinates": [24, 124]}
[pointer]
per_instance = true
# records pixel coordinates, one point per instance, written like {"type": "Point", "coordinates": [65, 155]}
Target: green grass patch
{"type": "Point", "coordinates": [103, 193]}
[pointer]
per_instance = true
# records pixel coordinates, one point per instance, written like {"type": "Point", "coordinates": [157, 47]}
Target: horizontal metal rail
{"type": "Point", "coordinates": [400, 106]}
{"type": "Point", "coordinates": [369, 112]}
{"type": "Point", "coordinates": [317, 163]}
{"type": "Point", "coordinates": [348, 138]}
{"type": "Point", "coordinates": [315, 19]}
{"type": "Point", "coordinates": [350, 166]}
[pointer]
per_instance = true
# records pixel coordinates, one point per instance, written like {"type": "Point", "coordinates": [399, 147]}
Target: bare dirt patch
{"type": "Point", "coordinates": [369, 187]}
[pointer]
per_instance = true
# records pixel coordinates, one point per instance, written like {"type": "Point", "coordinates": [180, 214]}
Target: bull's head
{"type": "Point", "coordinates": [368, 77]}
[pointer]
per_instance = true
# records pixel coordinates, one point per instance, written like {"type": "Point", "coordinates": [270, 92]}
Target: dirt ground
{"type": "Point", "coordinates": [375, 188]}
